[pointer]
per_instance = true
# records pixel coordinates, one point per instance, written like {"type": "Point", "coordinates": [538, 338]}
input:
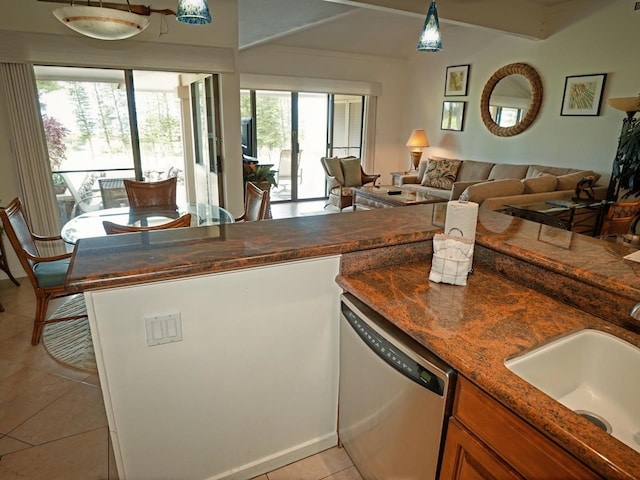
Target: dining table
{"type": "Point", "coordinates": [89, 224]}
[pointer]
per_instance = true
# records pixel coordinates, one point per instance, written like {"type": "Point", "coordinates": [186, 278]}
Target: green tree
{"type": "Point", "coordinates": [82, 110]}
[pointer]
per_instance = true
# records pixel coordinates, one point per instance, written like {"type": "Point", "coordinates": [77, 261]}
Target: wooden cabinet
{"type": "Point", "coordinates": [485, 441]}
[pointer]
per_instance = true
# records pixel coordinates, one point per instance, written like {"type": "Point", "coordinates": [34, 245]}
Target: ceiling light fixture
{"type": "Point", "coordinates": [101, 22]}
{"type": "Point", "coordinates": [430, 39]}
{"type": "Point", "coordinates": [194, 12]}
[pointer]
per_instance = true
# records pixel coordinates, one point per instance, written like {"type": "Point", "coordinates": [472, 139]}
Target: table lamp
{"type": "Point", "coordinates": [417, 141]}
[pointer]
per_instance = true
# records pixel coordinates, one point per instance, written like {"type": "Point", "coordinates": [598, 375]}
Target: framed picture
{"type": "Point", "coordinates": [452, 116]}
{"type": "Point", "coordinates": [583, 95]}
{"type": "Point", "coordinates": [456, 81]}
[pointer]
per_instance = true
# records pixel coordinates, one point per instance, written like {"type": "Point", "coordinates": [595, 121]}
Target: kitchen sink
{"type": "Point", "coordinates": [593, 373]}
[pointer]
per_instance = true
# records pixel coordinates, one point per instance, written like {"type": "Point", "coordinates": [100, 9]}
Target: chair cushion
{"type": "Point", "coordinates": [441, 173]}
{"type": "Point", "coordinates": [334, 168]}
{"type": "Point", "coordinates": [496, 188]}
{"type": "Point", "coordinates": [570, 180]}
{"type": "Point", "coordinates": [540, 184]}
{"type": "Point", "coordinates": [352, 172]}
{"type": "Point", "coordinates": [51, 274]}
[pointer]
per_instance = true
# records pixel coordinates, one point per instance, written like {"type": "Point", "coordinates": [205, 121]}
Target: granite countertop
{"type": "Point", "coordinates": [474, 328]}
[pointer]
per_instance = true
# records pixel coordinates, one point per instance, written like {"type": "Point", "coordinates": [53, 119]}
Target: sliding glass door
{"type": "Point", "coordinates": [291, 131]}
{"type": "Point", "coordinates": [104, 125]}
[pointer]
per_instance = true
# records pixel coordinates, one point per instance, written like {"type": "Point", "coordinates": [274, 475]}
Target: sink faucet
{"type": "Point", "coordinates": [635, 311]}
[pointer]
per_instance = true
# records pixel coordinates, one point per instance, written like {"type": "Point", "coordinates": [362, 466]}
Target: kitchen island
{"type": "Point", "coordinates": [530, 284]}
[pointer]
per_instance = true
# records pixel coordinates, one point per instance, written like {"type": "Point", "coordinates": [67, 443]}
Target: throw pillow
{"type": "Point", "coordinates": [540, 184]}
{"type": "Point", "coordinates": [497, 188]}
{"type": "Point", "coordinates": [352, 172]}
{"type": "Point", "coordinates": [422, 167]}
{"type": "Point", "coordinates": [441, 173]}
{"type": "Point", "coordinates": [570, 180]}
{"type": "Point", "coordinates": [334, 169]}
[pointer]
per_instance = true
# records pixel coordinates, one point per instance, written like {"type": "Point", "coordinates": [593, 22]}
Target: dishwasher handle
{"type": "Point", "coordinates": [392, 355]}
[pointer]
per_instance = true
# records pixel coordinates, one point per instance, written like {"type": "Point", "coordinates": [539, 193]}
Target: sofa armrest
{"type": "Point", "coordinates": [459, 187]}
{"type": "Point", "coordinates": [411, 179]}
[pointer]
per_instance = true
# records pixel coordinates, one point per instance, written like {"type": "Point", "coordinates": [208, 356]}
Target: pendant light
{"type": "Point", "coordinates": [194, 12]}
{"type": "Point", "coordinates": [101, 22]}
{"type": "Point", "coordinates": [430, 39]}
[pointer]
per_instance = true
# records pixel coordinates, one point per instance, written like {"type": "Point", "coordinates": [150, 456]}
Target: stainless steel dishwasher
{"type": "Point", "coordinates": [395, 397]}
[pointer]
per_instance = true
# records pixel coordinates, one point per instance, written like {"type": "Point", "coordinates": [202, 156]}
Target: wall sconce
{"type": "Point", "coordinates": [194, 12]}
{"type": "Point", "coordinates": [417, 141]}
{"type": "Point", "coordinates": [430, 39]}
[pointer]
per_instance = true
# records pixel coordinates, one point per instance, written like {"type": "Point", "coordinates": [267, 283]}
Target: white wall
{"type": "Point", "coordinates": [605, 43]}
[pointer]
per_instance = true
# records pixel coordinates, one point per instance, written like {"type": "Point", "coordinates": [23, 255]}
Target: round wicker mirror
{"type": "Point", "coordinates": [534, 107]}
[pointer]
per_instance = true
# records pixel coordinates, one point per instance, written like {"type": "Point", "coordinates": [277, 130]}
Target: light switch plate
{"type": "Point", "coordinates": [163, 329]}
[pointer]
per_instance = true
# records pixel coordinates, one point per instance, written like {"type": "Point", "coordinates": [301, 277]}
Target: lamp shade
{"type": "Point", "coordinates": [195, 12]}
{"type": "Point", "coordinates": [418, 139]}
{"type": "Point", "coordinates": [101, 22]}
{"type": "Point", "coordinates": [626, 104]}
{"type": "Point", "coordinates": [430, 39]}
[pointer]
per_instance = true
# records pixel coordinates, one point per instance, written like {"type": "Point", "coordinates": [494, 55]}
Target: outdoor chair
{"type": "Point", "coordinates": [46, 274]}
{"type": "Point", "coordinates": [84, 197]}
{"type": "Point", "coordinates": [152, 194]}
{"type": "Point", "coordinates": [256, 204]}
{"type": "Point", "coordinates": [114, 228]}
{"type": "Point", "coordinates": [342, 175]}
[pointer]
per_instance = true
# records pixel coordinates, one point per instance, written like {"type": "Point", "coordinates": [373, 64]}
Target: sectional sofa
{"type": "Point", "coordinates": [494, 185]}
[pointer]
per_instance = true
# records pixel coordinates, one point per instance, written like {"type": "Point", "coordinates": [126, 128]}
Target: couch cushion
{"type": "Point", "coordinates": [352, 172]}
{"type": "Point", "coordinates": [496, 188]}
{"type": "Point", "coordinates": [334, 168]}
{"type": "Point", "coordinates": [535, 170]}
{"type": "Point", "coordinates": [570, 180]}
{"type": "Point", "coordinates": [540, 184]}
{"type": "Point", "coordinates": [500, 171]}
{"type": "Point", "coordinates": [474, 170]}
{"type": "Point", "coordinates": [441, 173]}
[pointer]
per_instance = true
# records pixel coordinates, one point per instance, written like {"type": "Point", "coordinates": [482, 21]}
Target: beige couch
{"type": "Point", "coordinates": [494, 185]}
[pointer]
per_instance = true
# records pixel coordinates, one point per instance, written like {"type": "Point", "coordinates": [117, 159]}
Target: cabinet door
{"type": "Point", "coordinates": [466, 458]}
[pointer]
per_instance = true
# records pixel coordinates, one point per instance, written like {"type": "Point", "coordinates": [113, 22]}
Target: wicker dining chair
{"type": "Point", "coordinates": [114, 228]}
{"type": "Point", "coordinates": [46, 274]}
{"type": "Point", "coordinates": [256, 204]}
{"type": "Point", "coordinates": [152, 194]}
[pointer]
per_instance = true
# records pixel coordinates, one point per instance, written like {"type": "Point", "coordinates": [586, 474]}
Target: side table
{"type": "Point", "coordinates": [4, 266]}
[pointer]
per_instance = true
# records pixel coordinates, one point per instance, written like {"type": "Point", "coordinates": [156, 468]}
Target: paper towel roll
{"type": "Point", "coordinates": [461, 217]}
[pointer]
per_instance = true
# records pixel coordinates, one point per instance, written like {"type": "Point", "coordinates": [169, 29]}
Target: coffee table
{"type": "Point", "coordinates": [368, 197]}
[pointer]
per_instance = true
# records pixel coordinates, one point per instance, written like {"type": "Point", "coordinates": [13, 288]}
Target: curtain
{"type": "Point", "coordinates": [30, 149]}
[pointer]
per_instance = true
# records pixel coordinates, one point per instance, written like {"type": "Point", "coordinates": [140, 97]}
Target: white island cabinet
{"type": "Point", "coordinates": [251, 385]}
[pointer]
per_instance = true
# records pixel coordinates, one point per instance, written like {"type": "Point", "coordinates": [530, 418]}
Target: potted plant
{"type": "Point", "coordinates": [262, 175]}
{"type": "Point", "coordinates": [625, 175]}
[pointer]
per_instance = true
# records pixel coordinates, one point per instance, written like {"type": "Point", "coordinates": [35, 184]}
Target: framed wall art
{"type": "Point", "coordinates": [456, 81]}
{"type": "Point", "coordinates": [452, 116]}
{"type": "Point", "coordinates": [583, 95]}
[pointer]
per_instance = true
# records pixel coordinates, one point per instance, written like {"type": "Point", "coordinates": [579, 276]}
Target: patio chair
{"type": "Point", "coordinates": [152, 194]}
{"type": "Point", "coordinates": [84, 197]}
{"type": "Point", "coordinates": [46, 274]}
{"type": "Point", "coordinates": [256, 204]}
{"type": "Point", "coordinates": [114, 228]}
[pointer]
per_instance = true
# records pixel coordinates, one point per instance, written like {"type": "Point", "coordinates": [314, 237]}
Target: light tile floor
{"type": "Point", "coordinates": [52, 419]}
